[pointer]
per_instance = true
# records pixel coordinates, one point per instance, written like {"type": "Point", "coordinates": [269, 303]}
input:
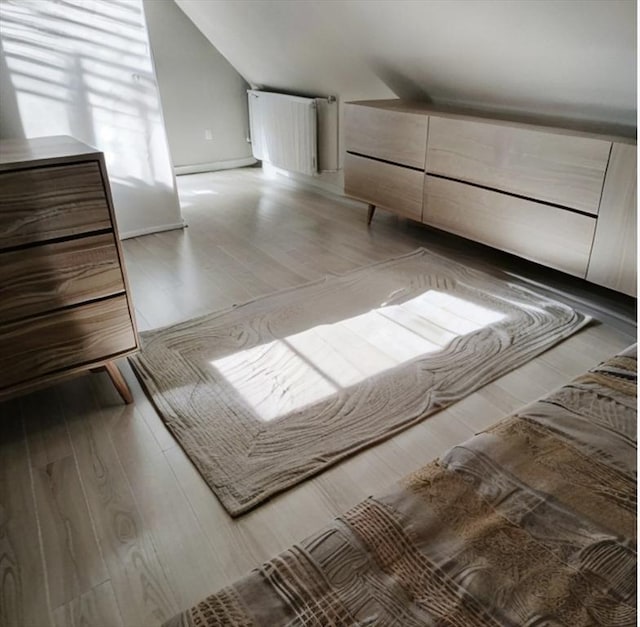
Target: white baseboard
{"type": "Point", "coordinates": [213, 166]}
{"type": "Point", "coordinates": [152, 229]}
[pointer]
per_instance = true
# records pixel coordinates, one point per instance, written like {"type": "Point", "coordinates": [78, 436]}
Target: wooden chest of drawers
{"type": "Point", "coordinates": [64, 303]}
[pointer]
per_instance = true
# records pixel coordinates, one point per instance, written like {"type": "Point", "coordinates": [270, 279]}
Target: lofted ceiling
{"type": "Point", "coordinates": [562, 58]}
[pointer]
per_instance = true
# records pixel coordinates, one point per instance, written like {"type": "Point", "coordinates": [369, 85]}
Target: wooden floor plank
{"type": "Point", "coordinates": [420, 444]}
{"type": "Point", "coordinates": [96, 607]}
{"type": "Point", "coordinates": [285, 519]}
{"type": "Point", "coordinates": [45, 428]}
{"type": "Point", "coordinates": [145, 408]}
{"type": "Point", "coordinates": [24, 598]}
{"type": "Point", "coordinates": [230, 269]}
{"type": "Point", "coordinates": [72, 557]}
{"type": "Point", "coordinates": [355, 478]}
{"type": "Point", "coordinates": [590, 346]}
{"type": "Point", "coordinates": [180, 543]}
{"type": "Point", "coordinates": [71, 553]}
{"type": "Point", "coordinates": [235, 552]}
{"type": "Point", "coordinates": [139, 582]}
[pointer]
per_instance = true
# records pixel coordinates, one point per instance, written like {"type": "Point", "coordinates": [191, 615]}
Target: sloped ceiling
{"type": "Point", "coordinates": [563, 58]}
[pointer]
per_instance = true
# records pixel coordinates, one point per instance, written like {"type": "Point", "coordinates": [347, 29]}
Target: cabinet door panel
{"type": "Point", "coordinates": [550, 167]}
{"type": "Point", "coordinates": [384, 185]}
{"type": "Point", "coordinates": [554, 237]}
{"type": "Point", "coordinates": [395, 136]}
{"type": "Point", "coordinates": [614, 254]}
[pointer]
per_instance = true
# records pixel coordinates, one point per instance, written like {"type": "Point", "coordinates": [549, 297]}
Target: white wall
{"type": "Point", "coordinates": [200, 92]}
{"type": "Point", "coordinates": [83, 68]}
{"type": "Point", "coordinates": [567, 58]}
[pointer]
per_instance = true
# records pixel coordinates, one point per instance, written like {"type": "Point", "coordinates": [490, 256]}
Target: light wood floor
{"type": "Point", "coordinates": [103, 519]}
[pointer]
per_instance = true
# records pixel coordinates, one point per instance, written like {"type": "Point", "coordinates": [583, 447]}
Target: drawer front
{"type": "Point", "coordinates": [542, 165]}
{"type": "Point", "coordinates": [45, 203]}
{"type": "Point", "coordinates": [35, 347]}
{"type": "Point", "coordinates": [52, 276]}
{"type": "Point", "coordinates": [391, 135]}
{"type": "Point", "coordinates": [551, 236]}
{"type": "Point", "coordinates": [614, 255]}
{"type": "Point", "coordinates": [382, 184]}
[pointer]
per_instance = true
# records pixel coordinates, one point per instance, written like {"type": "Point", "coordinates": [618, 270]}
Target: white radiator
{"type": "Point", "coordinates": [294, 133]}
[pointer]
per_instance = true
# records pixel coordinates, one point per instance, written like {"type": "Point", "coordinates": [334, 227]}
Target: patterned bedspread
{"type": "Point", "coordinates": [531, 522]}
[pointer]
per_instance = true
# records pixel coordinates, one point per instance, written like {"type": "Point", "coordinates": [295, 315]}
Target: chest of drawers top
{"type": "Point", "coordinates": [19, 154]}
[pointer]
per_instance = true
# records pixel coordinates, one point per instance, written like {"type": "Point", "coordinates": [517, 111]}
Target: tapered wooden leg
{"type": "Point", "coordinates": [372, 210]}
{"type": "Point", "coordinates": [119, 382]}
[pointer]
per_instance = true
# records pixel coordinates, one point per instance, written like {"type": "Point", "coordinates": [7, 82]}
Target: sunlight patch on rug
{"type": "Point", "coordinates": [286, 375]}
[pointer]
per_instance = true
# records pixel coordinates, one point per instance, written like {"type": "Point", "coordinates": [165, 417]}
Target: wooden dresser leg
{"type": "Point", "coordinates": [372, 210]}
{"type": "Point", "coordinates": [119, 382]}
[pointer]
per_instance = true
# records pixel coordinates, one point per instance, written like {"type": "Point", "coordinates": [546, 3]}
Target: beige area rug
{"type": "Point", "coordinates": [532, 522]}
{"type": "Point", "coordinates": [263, 395]}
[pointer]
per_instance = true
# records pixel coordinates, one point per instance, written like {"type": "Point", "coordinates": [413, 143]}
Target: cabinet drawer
{"type": "Point", "coordinates": [49, 202]}
{"type": "Point", "coordinates": [551, 167]}
{"type": "Point", "coordinates": [51, 276]}
{"type": "Point", "coordinates": [555, 237]}
{"type": "Point", "coordinates": [391, 135]}
{"type": "Point", "coordinates": [38, 346]}
{"type": "Point", "coordinates": [384, 185]}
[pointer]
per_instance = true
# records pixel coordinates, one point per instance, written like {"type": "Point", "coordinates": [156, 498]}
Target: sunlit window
{"type": "Point", "coordinates": [83, 68]}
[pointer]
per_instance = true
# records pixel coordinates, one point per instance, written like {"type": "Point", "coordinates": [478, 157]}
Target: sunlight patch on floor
{"type": "Point", "coordinates": [198, 192]}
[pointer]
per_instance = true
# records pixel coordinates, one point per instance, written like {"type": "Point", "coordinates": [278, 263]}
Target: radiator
{"type": "Point", "coordinates": [294, 133]}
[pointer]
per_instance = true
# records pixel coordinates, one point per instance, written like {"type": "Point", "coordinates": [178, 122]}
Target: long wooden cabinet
{"type": "Point", "coordinates": [64, 303]}
{"type": "Point", "coordinates": [563, 198]}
